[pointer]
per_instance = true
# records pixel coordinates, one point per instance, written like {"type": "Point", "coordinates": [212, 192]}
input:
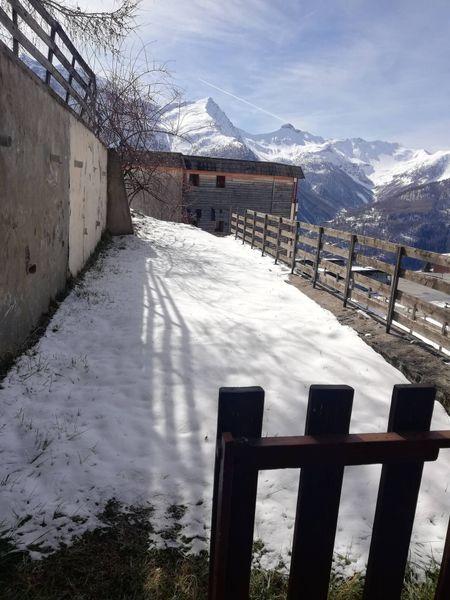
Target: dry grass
{"type": "Point", "coordinates": [116, 562]}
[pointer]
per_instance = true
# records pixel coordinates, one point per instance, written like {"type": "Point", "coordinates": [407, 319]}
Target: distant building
{"type": "Point", "coordinates": [204, 190]}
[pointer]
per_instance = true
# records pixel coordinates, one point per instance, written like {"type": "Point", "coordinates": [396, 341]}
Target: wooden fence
{"type": "Point", "coordinates": [32, 31]}
{"type": "Point", "coordinates": [322, 453]}
{"type": "Point", "coordinates": [355, 267]}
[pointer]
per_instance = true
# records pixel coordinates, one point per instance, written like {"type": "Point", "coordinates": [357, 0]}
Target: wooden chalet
{"type": "Point", "coordinates": [203, 190]}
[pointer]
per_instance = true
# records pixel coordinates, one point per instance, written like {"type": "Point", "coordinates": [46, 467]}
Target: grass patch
{"type": "Point", "coordinates": [117, 562]}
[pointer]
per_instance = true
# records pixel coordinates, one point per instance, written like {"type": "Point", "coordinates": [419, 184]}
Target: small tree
{"type": "Point", "coordinates": [133, 98]}
{"type": "Point", "coordinates": [99, 29]}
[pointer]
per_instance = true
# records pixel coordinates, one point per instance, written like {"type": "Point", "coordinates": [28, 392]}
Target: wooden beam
{"type": "Point", "coordinates": [50, 56]}
{"type": "Point", "coordinates": [317, 259]}
{"type": "Point", "coordinates": [296, 452]}
{"type": "Point", "coordinates": [394, 286]}
{"type": "Point", "coordinates": [240, 415]}
{"type": "Point", "coordinates": [329, 411]}
{"type": "Point", "coordinates": [411, 411]}
{"type": "Point", "coordinates": [15, 40]}
{"type": "Point", "coordinates": [253, 229]}
{"type": "Point", "coordinates": [277, 251]}
{"type": "Point", "coordinates": [294, 250]}
{"type": "Point", "coordinates": [264, 235]}
{"type": "Point", "coordinates": [348, 276]}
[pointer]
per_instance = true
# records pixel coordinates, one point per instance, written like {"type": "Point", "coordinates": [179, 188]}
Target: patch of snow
{"type": "Point", "coordinates": [120, 397]}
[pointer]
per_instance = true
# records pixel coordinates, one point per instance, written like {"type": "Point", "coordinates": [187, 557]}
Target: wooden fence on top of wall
{"type": "Point", "coordinates": [355, 267]}
{"type": "Point", "coordinates": [33, 33]}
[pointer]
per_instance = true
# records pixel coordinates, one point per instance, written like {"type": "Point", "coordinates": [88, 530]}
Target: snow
{"type": "Point", "coordinates": [206, 130]}
{"type": "Point", "coordinates": [120, 397]}
{"type": "Point", "coordinates": [203, 129]}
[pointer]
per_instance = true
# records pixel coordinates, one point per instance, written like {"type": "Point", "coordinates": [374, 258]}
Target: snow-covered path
{"type": "Point", "coordinates": [119, 397]}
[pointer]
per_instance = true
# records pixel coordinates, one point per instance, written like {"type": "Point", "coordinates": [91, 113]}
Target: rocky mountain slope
{"type": "Point", "coordinates": [415, 216]}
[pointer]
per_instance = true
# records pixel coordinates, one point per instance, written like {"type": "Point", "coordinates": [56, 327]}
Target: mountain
{"type": "Point", "coordinates": [203, 128]}
{"type": "Point", "coordinates": [415, 216]}
{"type": "Point", "coordinates": [348, 182]}
{"type": "Point", "coordinates": [376, 186]}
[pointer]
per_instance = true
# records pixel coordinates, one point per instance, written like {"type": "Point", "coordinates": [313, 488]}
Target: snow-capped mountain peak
{"type": "Point", "coordinates": [340, 173]}
{"type": "Point", "coordinates": [203, 128]}
{"type": "Point", "coordinates": [286, 135]}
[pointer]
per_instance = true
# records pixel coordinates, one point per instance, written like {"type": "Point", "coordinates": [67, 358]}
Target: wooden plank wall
{"type": "Point", "coordinates": [354, 266]}
{"type": "Point", "coordinates": [265, 194]}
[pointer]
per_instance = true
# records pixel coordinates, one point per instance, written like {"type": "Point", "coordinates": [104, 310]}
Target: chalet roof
{"type": "Point", "coordinates": [165, 159]}
{"type": "Point", "coordinates": [233, 165]}
{"type": "Point", "coordinates": [222, 165]}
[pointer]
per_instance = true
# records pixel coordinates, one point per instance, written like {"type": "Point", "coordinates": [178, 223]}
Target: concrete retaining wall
{"type": "Point", "coordinates": [87, 194]}
{"type": "Point", "coordinates": [52, 199]}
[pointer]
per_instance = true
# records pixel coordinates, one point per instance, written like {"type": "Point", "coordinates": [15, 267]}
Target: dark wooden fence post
{"type": "Point", "coordinates": [443, 586]}
{"type": "Point", "coordinates": [240, 413]}
{"type": "Point", "coordinates": [317, 261]}
{"type": "Point", "coordinates": [237, 223]}
{"type": "Point", "coordinates": [394, 286]}
{"type": "Point", "coordinates": [266, 218]}
{"type": "Point", "coordinates": [48, 75]}
{"type": "Point", "coordinates": [277, 251]}
{"type": "Point", "coordinates": [15, 40]}
{"type": "Point", "coordinates": [348, 276]}
{"type": "Point", "coordinates": [329, 411]}
{"type": "Point", "coordinates": [294, 251]}
{"type": "Point", "coordinates": [245, 226]}
{"type": "Point", "coordinates": [74, 60]}
{"type": "Point", "coordinates": [253, 230]}
{"type": "Point", "coordinates": [411, 410]}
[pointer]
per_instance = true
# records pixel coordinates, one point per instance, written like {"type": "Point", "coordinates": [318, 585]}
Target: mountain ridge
{"type": "Point", "coordinates": [345, 179]}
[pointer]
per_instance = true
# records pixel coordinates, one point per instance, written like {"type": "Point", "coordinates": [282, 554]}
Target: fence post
{"type": "Point", "coordinates": [351, 252]}
{"type": "Point", "coordinates": [443, 586]}
{"type": "Point", "coordinates": [329, 412]}
{"type": "Point", "coordinates": [277, 252]}
{"type": "Point", "coordinates": [253, 230]}
{"type": "Point", "coordinates": [240, 413]}
{"type": "Point", "coordinates": [394, 286]}
{"type": "Point", "coordinates": [245, 226]}
{"type": "Point", "coordinates": [74, 60]}
{"type": "Point", "coordinates": [15, 40]}
{"type": "Point", "coordinates": [318, 249]}
{"type": "Point", "coordinates": [411, 410]}
{"type": "Point", "coordinates": [50, 55]}
{"type": "Point", "coordinates": [294, 251]}
{"type": "Point", "coordinates": [264, 234]}
{"type": "Point", "coordinates": [237, 223]}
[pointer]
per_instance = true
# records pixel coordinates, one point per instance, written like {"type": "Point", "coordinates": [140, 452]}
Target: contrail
{"type": "Point", "coordinates": [242, 100]}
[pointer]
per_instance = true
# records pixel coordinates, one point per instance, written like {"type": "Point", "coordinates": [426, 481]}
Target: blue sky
{"type": "Point", "coordinates": [370, 68]}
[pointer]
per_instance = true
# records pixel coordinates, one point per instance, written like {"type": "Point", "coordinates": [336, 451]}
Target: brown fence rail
{"type": "Point", "coordinates": [31, 30]}
{"type": "Point", "coordinates": [354, 266]}
{"type": "Point", "coordinates": [322, 454]}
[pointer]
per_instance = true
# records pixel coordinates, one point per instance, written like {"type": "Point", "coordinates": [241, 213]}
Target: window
{"type": "Point", "coordinates": [213, 214]}
{"type": "Point", "coordinates": [220, 181]}
{"type": "Point", "coordinates": [194, 179]}
{"type": "Point", "coordinates": [219, 227]}
{"type": "Point", "coordinates": [198, 214]}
